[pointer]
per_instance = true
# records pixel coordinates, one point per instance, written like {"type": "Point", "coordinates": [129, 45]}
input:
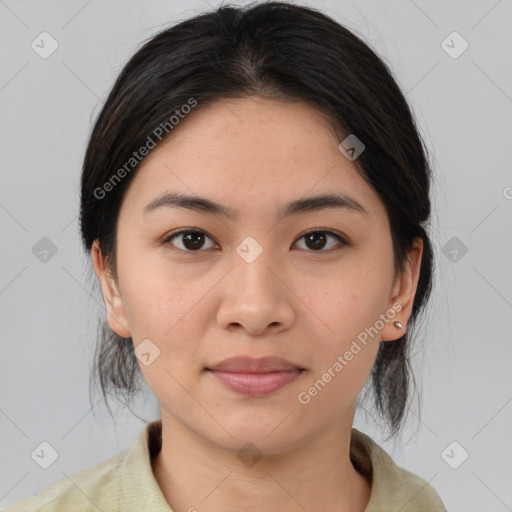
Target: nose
{"type": "Point", "coordinates": [256, 298]}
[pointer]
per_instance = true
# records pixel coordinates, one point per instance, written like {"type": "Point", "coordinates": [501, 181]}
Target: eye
{"type": "Point", "coordinates": [317, 240]}
{"type": "Point", "coordinates": [193, 240]}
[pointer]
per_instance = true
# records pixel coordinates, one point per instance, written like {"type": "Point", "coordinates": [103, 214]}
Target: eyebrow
{"type": "Point", "coordinates": [298, 206]}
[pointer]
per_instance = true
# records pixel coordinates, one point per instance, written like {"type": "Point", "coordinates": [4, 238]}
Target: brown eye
{"type": "Point", "coordinates": [316, 241]}
{"type": "Point", "coordinates": [191, 240]}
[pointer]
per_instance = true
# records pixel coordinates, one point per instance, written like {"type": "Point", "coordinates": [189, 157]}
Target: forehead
{"type": "Point", "coordinates": [236, 150]}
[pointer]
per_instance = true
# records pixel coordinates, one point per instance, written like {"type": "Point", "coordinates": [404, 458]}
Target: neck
{"type": "Point", "coordinates": [196, 474]}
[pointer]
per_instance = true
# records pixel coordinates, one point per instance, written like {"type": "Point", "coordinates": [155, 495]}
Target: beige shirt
{"type": "Point", "coordinates": [126, 483]}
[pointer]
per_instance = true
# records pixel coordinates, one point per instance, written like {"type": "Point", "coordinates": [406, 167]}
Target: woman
{"type": "Point", "coordinates": [254, 199]}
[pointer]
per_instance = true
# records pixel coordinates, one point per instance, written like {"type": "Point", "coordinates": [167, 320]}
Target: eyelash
{"type": "Point", "coordinates": [344, 242]}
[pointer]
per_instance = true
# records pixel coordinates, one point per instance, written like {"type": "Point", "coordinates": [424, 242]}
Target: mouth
{"type": "Point", "coordinates": [255, 377]}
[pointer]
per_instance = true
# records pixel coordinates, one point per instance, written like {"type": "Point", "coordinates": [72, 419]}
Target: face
{"type": "Point", "coordinates": [305, 284]}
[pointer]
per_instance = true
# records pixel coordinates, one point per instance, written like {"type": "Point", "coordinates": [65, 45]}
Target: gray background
{"type": "Point", "coordinates": [48, 310]}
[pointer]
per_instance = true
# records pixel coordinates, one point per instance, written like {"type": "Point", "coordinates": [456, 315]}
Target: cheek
{"type": "Point", "coordinates": [351, 306]}
{"type": "Point", "coordinates": [345, 359]}
{"type": "Point", "coordinates": [160, 298]}
{"type": "Point", "coordinates": [351, 303]}
{"type": "Point", "coordinates": [172, 312]}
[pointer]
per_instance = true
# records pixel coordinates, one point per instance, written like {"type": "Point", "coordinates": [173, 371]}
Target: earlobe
{"type": "Point", "coordinates": [403, 294]}
{"type": "Point", "coordinates": [116, 316]}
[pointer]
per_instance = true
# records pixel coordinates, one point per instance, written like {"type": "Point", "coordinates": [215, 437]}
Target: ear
{"type": "Point", "coordinates": [404, 290]}
{"type": "Point", "coordinates": [116, 316]}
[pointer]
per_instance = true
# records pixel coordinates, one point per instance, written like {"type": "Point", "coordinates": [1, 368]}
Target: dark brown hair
{"type": "Point", "coordinates": [270, 50]}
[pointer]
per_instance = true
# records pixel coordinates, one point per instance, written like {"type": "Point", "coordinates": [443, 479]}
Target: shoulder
{"type": "Point", "coordinates": [93, 489]}
{"type": "Point", "coordinates": [393, 487]}
{"type": "Point", "coordinates": [123, 482]}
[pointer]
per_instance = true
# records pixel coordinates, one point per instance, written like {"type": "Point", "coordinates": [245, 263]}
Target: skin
{"type": "Point", "coordinates": [303, 304]}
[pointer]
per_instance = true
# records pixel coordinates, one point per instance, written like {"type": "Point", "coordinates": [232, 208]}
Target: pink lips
{"type": "Point", "coordinates": [255, 377]}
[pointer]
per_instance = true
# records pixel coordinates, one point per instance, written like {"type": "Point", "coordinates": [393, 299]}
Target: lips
{"type": "Point", "coordinates": [255, 377]}
{"type": "Point", "coordinates": [250, 365]}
